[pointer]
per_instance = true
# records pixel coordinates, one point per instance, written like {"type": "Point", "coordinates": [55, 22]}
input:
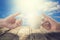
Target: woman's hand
{"type": "Point", "coordinates": [11, 22]}
{"type": "Point", "coordinates": [49, 23]}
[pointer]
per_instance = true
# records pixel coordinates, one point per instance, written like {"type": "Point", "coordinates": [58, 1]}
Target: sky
{"type": "Point", "coordinates": [30, 8]}
{"type": "Point", "coordinates": [6, 8]}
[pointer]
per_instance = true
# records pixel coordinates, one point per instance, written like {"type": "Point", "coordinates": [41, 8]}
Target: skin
{"type": "Point", "coordinates": [10, 22]}
{"type": "Point", "coordinates": [50, 24]}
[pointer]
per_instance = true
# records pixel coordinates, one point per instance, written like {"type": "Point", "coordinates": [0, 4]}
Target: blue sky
{"type": "Point", "coordinates": [57, 13]}
{"type": "Point", "coordinates": [7, 5]}
{"type": "Point", "coordinates": [5, 8]}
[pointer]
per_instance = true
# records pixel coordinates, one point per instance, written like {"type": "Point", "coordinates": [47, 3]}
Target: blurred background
{"type": "Point", "coordinates": [49, 7]}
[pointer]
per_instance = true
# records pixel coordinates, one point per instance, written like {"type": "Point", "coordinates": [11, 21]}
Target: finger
{"type": "Point", "coordinates": [18, 22]}
{"type": "Point", "coordinates": [13, 15]}
{"type": "Point", "coordinates": [49, 19]}
{"type": "Point", "coordinates": [45, 16]}
{"type": "Point", "coordinates": [46, 25]}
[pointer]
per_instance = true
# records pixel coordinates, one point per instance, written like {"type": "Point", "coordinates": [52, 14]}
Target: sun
{"type": "Point", "coordinates": [32, 9]}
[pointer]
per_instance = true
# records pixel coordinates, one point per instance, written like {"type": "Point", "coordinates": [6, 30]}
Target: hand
{"type": "Point", "coordinates": [49, 23]}
{"type": "Point", "coordinates": [11, 22]}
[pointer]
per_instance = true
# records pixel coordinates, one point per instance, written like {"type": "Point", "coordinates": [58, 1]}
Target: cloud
{"type": "Point", "coordinates": [30, 9]}
{"type": "Point", "coordinates": [51, 6]}
{"type": "Point", "coordinates": [32, 6]}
